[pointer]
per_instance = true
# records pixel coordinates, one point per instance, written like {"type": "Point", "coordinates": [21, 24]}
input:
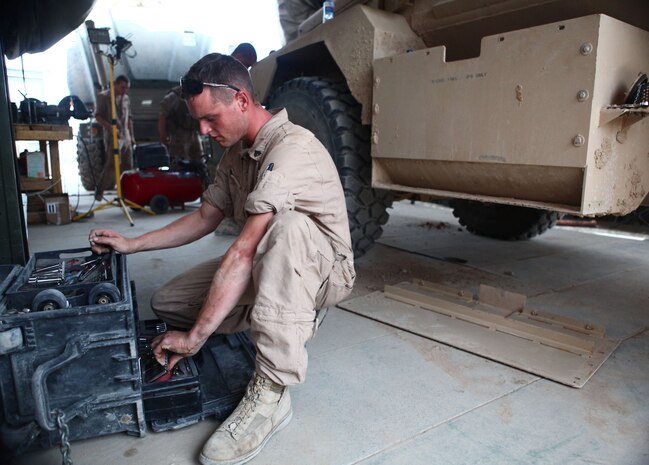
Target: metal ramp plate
{"type": "Point", "coordinates": [496, 325]}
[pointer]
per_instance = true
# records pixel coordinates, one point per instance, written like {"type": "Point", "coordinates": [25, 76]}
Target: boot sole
{"type": "Point", "coordinates": [205, 461]}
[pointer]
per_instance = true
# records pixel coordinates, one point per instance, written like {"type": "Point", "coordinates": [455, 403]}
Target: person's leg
{"type": "Point", "coordinates": [291, 266]}
{"type": "Point", "coordinates": [126, 157]}
{"type": "Point", "coordinates": [179, 300]}
{"type": "Point", "coordinates": [292, 263]}
{"type": "Point", "coordinates": [293, 12]}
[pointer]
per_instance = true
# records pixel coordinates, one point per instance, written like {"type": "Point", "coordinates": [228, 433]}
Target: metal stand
{"type": "Point", "coordinates": [119, 201]}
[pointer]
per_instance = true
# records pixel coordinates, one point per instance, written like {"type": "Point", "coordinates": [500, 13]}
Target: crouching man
{"type": "Point", "coordinates": [292, 257]}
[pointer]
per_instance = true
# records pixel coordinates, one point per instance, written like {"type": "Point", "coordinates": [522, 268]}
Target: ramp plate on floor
{"type": "Point", "coordinates": [496, 325]}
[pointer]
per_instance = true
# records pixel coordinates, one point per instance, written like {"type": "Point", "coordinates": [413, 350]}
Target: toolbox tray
{"type": "Point", "coordinates": [21, 292]}
{"type": "Point", "coordinates": [175, 396]}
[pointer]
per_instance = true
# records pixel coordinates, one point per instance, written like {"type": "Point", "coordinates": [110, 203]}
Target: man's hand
{"type": "Point", "coordinates": [178, 343]}
{"type": "Point", "coordinates": [105, 240]}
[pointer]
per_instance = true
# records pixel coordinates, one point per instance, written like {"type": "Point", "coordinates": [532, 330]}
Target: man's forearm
{"type": "Point", "coordinates": [231, 279]}
{"type": "Point", "coordinates": [229, 284]}
{"type": "Point", "coordinates": [182, 231]}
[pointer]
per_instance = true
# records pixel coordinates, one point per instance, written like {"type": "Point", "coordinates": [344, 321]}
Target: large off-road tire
{"type": "Point", "coordinates": [504, 222]}
{"type": "Point", "coordinates": [91, 159]}
{"type": "Point", "coordinates": [327, 109]}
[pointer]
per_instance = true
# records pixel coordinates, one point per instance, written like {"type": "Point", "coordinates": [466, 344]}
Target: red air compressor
{"type": "Point", "coordinates": [157, 185]}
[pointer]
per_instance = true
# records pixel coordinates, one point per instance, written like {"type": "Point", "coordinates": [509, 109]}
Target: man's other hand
{"type": "Point", "coordinates": [105, 240]}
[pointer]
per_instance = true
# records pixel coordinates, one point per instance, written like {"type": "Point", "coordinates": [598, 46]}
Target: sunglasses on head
{"type": "Point", "coordinates": [191, 87]}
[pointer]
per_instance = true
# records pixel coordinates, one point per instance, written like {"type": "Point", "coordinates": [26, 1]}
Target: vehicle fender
{"type": "Point", "coordinates": [346, 46]}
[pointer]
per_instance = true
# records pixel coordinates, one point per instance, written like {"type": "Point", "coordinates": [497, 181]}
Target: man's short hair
{"type": "Point", "coordinates": [246, 54]}
{"type": "Point", "coordinates": [121, 78]}
{"type": "Point", "coordinates": [221, 69]}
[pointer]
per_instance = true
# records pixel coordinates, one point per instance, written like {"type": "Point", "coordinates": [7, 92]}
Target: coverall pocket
{"type": "Point", "coordinates": [280, 337]}
{"type": "Point", "coordinates": [338, 284]}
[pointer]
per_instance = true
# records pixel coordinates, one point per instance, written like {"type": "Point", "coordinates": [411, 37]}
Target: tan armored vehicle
{"type": "Point", "coordinates": [516, 110]}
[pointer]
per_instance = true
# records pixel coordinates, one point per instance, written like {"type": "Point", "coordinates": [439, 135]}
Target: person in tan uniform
{"type": "Point", "coordinates": [125, 134]}
{"type": "Point", "coordinates": [292, 257]}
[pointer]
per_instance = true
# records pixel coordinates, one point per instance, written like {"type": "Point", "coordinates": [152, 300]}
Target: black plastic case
{"type": "Point", "coordinates": [88, 363]}
{"type": "Point", "coordinates": [154, 155]}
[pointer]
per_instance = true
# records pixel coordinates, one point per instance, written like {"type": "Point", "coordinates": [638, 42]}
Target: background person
{"type": "Point", "coordinates": [246, 54]}
{"type": "Point", "coordinates": [177, 129]}
{"type": "Point", "coordinates": [125, 134]}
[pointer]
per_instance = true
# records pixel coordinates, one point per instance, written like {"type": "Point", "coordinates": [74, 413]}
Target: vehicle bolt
{"type": "Point", "coordinates": [586, 48]}
{"type": "Point", "coordinates": [620, 137]}
{"type": "Point", "coordinates": [375, 138]}
{"type": "Point", "coordinates": [376, 109]}
{"type": "Point", "coordinates": [377, 81]}
{"type": "Point", "coordinates": [578, 140]}
{"type": "Point", "coordinates": [583, 95]}
{"type": "Point", "coordinates": [589, 327]}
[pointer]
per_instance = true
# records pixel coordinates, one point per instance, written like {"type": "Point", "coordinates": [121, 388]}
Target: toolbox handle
{"type": "Point", "coordinates": [74, 349]}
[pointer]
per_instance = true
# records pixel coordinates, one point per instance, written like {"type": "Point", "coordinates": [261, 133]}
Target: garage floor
{"type": "Point", "coordinates": [379, 395]}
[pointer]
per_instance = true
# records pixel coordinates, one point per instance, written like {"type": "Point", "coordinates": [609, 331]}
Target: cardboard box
{"type": "Point", "coordinates": [57, 209]}
{"type": "Point", "coordinates": [35, 209]}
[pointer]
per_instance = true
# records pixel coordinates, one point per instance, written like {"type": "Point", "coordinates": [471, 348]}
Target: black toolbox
{"type": "Point", "coordinates": [74, 365]}
{"type": "Point", "coordinates": [82, 364]}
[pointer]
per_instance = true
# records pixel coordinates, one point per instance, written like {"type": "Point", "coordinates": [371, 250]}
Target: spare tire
{"type": "Point", "coordinates": [327, 108]}
{"type": "Point", "coordinates": [90, 158]}
{"type": "Point", "coordinates": [504, 222]}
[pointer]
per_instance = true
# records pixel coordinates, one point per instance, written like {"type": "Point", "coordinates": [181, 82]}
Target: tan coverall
{"type": "Point", "coordinates": [304, 261]}
{"type": "Point", "coordinates": [124, 137]}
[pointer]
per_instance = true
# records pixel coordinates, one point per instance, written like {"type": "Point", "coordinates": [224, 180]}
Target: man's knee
{"type": "Point", "coordinates": [159, 298]}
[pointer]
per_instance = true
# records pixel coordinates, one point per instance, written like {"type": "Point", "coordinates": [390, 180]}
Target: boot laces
{"type": "Point", "coordinates": [248, 404]}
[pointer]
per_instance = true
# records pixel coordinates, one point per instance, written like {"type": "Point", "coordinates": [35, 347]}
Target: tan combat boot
{"type": "Point", "coordinates": [264, 410]}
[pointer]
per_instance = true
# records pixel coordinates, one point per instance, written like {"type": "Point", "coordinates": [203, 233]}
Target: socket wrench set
{"type": "Point", "coordinates": [63, 279]}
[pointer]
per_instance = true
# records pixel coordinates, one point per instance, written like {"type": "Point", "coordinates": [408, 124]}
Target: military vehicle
{"type": "Point", "coordinates": [518, 111]}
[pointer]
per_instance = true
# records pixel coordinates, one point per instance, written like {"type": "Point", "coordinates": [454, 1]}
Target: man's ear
{"type": "Point", "coordinates": [243, 100]}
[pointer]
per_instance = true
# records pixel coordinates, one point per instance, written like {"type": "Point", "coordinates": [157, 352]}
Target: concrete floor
{"type": "Point", "coordinates": [378, 395]}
